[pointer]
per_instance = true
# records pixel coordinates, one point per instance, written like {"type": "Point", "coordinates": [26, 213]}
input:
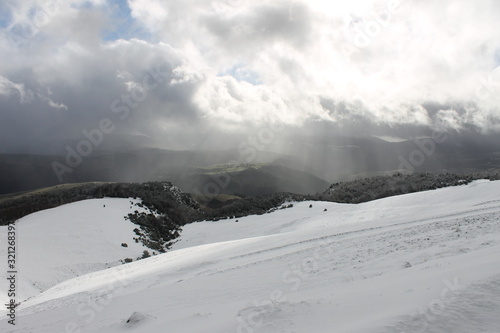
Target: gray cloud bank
{"type": "Point", "coordinates": [207, 74]}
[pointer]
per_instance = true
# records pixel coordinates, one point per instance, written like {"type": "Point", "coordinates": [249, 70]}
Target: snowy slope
{"type": "Point", "coordinates": [423, 262]}
{"type": "Point", "coordinates": [71, 240]}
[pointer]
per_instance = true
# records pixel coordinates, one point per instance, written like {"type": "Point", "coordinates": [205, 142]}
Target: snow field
{"type": "Point", "coordinates": [423, 262]}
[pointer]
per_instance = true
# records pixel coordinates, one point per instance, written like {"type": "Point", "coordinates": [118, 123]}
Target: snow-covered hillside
{"type": "Point", "coordinates": [423, 262]}
{"type": "Point", "coordinates": [68, 241]}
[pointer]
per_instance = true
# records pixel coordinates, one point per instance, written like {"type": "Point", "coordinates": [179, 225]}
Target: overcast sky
{"type": "Point", "coordinates": [195, 74]}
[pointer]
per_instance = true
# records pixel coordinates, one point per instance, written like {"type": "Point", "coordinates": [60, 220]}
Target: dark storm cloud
{"type": "Point", "coordinates": [63, 98]}
{"type": "Point", "coordinates": [208, 74]}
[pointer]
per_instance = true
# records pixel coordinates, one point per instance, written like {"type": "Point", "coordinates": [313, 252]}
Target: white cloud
{"type": "Point", "coordinates": [232, 64]}
{"type": "Point", "coordinates": [9, 88]}
{"type": "Point", "coordinates": [55, 105]}
{"type": "Point", "coordinates": [415, 52]}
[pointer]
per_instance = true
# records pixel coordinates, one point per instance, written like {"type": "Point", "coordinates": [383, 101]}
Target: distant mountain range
{"type": "Point", "coordinates": [304, 167]}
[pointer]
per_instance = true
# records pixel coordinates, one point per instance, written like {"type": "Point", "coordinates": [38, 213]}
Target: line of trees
{"type": "Point", "coordinates": [169, 209]}
{"type": "Point", "coordinates": [367, 189]}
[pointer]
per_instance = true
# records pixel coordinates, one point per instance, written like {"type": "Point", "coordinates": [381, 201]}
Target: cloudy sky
{"type": "Point", "coordinates": [196, 74]}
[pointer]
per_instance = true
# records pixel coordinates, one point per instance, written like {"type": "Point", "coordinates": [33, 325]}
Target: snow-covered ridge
{"type": "Point", "coordinates": [58, 244]}
{"type": "Point", "coordinates": [412, 263]}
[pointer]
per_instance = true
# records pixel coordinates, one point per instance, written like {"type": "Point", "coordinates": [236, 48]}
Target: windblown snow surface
{"type": "Point", "coordinates": [423, 262]}
{"type": "Point", "coordinates": [68, 241]}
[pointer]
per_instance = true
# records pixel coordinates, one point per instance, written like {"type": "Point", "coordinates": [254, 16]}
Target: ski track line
{"type": "Point", "coordinates": [393, 231]}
